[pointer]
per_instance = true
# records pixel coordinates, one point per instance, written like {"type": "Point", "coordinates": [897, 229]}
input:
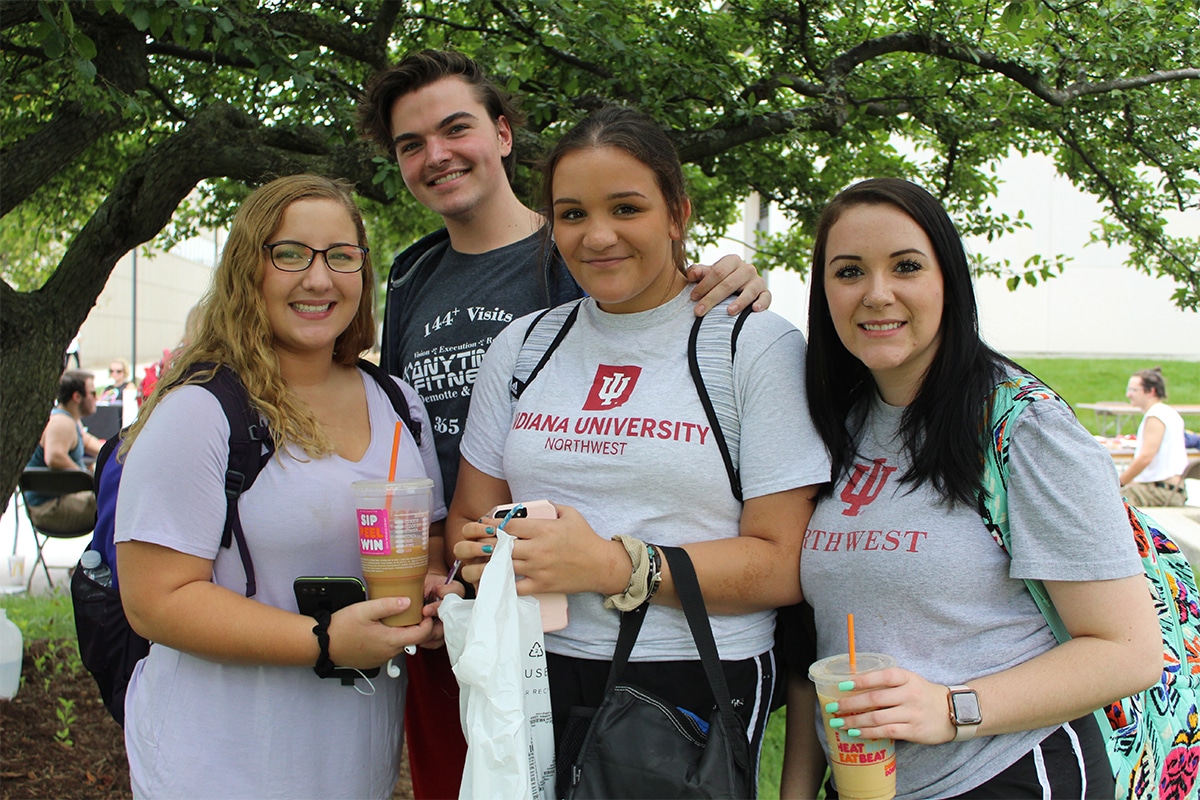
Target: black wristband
{"type": "Point", "coordinates": [654, 579]}
{"type": "Point", "coordinates": [324, 666]}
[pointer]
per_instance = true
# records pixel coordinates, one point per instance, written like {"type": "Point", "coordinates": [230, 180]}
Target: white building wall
{"type": "Point", "coordinates": [168, 285]}
{"type": "Point", "coordinates": [1098, 307]}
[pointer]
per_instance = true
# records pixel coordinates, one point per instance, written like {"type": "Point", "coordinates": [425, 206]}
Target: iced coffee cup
{"type": "Point", "coordinates": [393, 539]}
{"type": "Point", "coordinates": [863, 769]}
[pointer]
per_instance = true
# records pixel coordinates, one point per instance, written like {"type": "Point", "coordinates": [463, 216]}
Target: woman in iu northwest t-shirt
{"type": "Point", "coordinates": [898, 384]}
{"type": "Point", "coordinates": [613, 433]}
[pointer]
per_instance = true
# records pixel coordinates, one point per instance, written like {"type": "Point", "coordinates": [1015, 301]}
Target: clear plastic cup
{"type": "Point", "coordinates": [393, 540]}
{"type": "Point", "coordinates": [863, 769]}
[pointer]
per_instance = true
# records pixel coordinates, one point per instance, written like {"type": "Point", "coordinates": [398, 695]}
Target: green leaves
{"type": "Point", "coordinates": [793, 101]}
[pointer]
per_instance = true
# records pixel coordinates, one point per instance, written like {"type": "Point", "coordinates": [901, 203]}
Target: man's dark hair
{"type": "Point", "coordinates": [1153, 382]}
{"type": "Point", "coordinates": [72, 381]}
{"type": "Point", "coordinates": [418, 70]}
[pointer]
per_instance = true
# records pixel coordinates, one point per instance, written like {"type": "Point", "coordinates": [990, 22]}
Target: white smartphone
{"type": "Point", "coordinates": [554, 604]}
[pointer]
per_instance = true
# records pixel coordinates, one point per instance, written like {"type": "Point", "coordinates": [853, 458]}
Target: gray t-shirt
{"type": "Point", "coordinates": [929, 585]}
{"type": "Point", "coordinates": [199, 728]}
{"type": "Point", "coordinates": [451, 321]}
{"type": "Point", "coordinates": [613, 426]}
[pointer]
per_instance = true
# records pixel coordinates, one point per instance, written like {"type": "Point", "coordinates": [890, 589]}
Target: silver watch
{"type": "Point", "coordinates": [965, 713]}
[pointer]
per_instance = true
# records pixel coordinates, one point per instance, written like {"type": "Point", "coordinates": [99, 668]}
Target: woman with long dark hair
{"type": "Point", "coordinates": [899, 383]}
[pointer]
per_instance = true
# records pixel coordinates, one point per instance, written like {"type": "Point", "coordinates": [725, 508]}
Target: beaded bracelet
{"type": "Point", "coordinates": [324, 666]}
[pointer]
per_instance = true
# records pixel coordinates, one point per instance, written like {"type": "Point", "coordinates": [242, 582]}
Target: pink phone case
{"type": "Point", "coordinates": [553, 604]}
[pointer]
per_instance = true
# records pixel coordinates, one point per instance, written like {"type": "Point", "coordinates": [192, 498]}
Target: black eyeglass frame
{"type": "Point", "coordinates": [313, 253]}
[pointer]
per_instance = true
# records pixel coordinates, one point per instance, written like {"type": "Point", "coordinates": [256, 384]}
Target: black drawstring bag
{"type": "Point", "coordinates": [641, 746]}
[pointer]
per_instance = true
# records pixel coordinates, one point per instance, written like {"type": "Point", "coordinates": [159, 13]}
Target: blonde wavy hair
{"type": "Point", "coordinates": [233, 329]}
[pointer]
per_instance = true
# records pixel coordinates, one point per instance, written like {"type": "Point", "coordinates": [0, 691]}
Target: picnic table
{"type": "Point", "coordinates": [1111, 414]}
{"type": "Point", "coordinates": [1121, 448]}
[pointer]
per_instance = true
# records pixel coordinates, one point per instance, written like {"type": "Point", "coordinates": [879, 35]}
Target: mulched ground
{"type": "Point", "coordinates": [36, 761]}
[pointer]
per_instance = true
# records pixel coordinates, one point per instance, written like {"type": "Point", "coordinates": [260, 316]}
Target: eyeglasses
{"type": "Point", "coordinates": [296, 257]}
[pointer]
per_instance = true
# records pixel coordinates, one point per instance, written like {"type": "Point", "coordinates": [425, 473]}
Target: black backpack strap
{"type": "Point", "coordinates": [691, 598]}
{"type": "Point", "coordinates": [392, 390]}
{"type": "Point", "coordinates": [712, 347]}
{"type": "Point", "coordinates": [250, 448]}
{"type": "Point", "coordinates": [542, 338]}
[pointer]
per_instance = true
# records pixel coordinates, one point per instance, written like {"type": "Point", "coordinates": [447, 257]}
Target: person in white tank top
{"type": "Point", "coordinates": [1155, 476]}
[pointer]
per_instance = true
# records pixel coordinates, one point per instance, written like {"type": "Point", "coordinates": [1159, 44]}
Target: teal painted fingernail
{"type": "Point", "coordinates": [489, 530]}
{"type": "Point", "coordinates": [854, 733]}
{"type": "Point", "coordinates": [846, 686]}
{"type": "Point", "coordinates": [836, 722]}
{"type": "Point", "coordinates": [487, 549]}
{"type": "Point", "coordinates": [831, 708]}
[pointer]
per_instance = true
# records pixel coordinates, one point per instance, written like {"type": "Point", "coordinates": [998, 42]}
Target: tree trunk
{"type": "Point", "coordinates": [33, 339]}
{"type": "Point", "coordinates": [35, 327]}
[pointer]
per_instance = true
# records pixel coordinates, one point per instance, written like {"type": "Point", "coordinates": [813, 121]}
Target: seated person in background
{"type": "Point", "coordinates": [1155, 476]}
{"type": "Point", "coordinates": [121, 376]}
{"type": "Point", "coordinates": [62, 446]}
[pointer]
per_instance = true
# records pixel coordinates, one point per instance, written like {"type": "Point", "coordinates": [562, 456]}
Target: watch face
{"type": "Point", "coordinates": [966, 708]}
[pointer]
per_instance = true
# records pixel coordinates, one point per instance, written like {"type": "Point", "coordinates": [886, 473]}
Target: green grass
{"type": "Point", "coordinates": [1084, 380]}
{"type": "Point", "coordinates": [49, 617]}
{"type": "Point", "coordinates": [42, 616]}
{"type": "Point", "coordinates": [771, 762]}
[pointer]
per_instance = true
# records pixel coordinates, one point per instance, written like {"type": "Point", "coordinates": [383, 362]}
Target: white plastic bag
{"type": "Point", "coordinates": [497, 650]}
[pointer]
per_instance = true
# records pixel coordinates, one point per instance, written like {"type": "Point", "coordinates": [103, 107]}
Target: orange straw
{"type": "Point", "coordinates": [392, 469]}
{"type": "Point", "coordinates": [850, 631]}
{"type": "Point", "coordinates": [395, 450]}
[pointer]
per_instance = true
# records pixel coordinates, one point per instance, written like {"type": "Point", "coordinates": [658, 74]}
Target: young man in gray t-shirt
{"type": "Point", "coordinates": [449, 295]}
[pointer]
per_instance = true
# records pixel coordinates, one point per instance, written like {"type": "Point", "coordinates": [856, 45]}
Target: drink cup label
{"type": "Point", "coordinates": [861, 751]}
{"type": "Point", "coordinates": [401, 542]}
{"type": "Point", "coordinates": [373, 536]}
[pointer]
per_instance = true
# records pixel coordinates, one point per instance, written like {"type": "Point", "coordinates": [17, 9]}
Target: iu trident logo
{"type": "Point", "coordinates": [864, 485]}
{"type": "Point", "coordinates": [612, 387]}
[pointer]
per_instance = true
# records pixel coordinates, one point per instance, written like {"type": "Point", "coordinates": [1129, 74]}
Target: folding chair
{"type": "Point", "coordinates": [53, 482]}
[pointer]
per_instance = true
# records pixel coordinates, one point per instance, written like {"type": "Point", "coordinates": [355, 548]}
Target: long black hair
{"type": "Point", "coordinates": [943, 428]}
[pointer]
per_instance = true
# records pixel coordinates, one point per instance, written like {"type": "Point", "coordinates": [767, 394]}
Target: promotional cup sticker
{"type": "Point", "coordinates": [373, 537]}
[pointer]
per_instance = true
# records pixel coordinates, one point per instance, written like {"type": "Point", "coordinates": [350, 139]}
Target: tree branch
{"type": "Point", "coordinates": [28, 164]}
{"type": "Point", "coordinates": [1113, 195]}
{"type": "Point", "coordinates": [908, 42]}
{"type": "Point", "coordinates": [519, 23]}
{"type": "Point", "coordinates": [696, 146]}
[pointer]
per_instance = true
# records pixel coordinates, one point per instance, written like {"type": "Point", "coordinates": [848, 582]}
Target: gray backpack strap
{"type": "Point", "coordinates": [542, 338]}
{"type": "Point", "coordinates": [434, 252]}
{"type": "Point", "coordinates": [712, 347]}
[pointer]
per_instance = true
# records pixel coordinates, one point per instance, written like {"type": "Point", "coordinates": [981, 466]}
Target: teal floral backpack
{"type": "Point", "coordinates": [1154, 736]}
